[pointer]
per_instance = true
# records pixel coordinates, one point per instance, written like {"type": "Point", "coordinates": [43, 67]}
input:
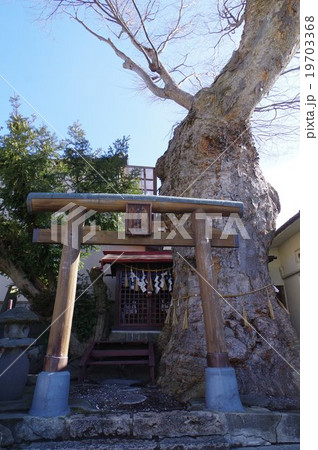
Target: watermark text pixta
{"type": "Point", "coordinates": [67, 224]}
{"type": "Point", "coordinates": [173, 224]}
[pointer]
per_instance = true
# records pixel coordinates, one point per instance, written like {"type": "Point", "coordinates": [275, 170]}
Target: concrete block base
{"type": "Point", "coordinates": [51, 395]}
{"type": "Point", "coordinates": [221, 390]}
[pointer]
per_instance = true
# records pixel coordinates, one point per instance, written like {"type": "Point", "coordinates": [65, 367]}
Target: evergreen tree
{"type": "Point", "coordinates": [32, 160]}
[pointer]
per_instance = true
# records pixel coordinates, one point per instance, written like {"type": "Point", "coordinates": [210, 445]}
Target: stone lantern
{"type": "Point", "coordinates": [14, 363]}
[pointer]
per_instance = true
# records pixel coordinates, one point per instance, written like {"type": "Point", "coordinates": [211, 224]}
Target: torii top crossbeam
{"type": "Point", "coordinates": [51, 202]}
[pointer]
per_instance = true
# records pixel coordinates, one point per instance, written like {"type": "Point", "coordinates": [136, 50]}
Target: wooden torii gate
{"type": "Point", "coordinates": [221, 386]}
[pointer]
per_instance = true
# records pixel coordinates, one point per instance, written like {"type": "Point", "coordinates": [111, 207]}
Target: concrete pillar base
{"type": "Point", "coordinates": [221, 390]}
{"type": "Point", "coordinates": [51, 393]}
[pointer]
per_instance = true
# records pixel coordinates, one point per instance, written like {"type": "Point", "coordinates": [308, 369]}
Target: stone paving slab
{"type": "Point", "coordinates": [261, 427]}
{"type": "Point", "coordinates": [252, 428]}
{"type": "Point", "coordinates": [81, 426]}
{"type": "Point", "coordinates": [199, 443]}
{"type": "Point", "coordinates": [178, 423]}
{"type": "Point", "coordinates": [286, 431]}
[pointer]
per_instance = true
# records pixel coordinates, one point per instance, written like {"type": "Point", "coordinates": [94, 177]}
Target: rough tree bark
{"type": "Point", "coordinates": [212, 155]}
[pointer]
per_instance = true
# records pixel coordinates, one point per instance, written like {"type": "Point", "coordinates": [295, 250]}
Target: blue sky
{"type": "Point", "coordinates": [67, 75]}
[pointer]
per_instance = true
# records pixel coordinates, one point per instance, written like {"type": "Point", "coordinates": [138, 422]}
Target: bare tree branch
{"type": "Point", "coordinates": [154, 54]}
{"type": "Point", "coordinates": [162, 46]}
{"type": "Point", "coordinates": [293, 69]}
{"type": "Point", "coordinates": [231, 15]}
{"type": "Point", "coordinates": [293, 103]}
{"type": "Point", "coordinates": [232, 12]}
{"type": "Point", "coordinates": [170, 90]}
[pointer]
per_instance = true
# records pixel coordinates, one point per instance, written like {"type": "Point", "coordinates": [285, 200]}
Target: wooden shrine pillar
{"type": "Point", "coordinates": [212, 314]}
{"type": "Point", "coordinates": [56, 358]}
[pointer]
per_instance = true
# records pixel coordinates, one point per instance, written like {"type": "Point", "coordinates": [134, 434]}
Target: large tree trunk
{"type": "Point", "coordinates": [212, 155]}
{"type": "Point", "coordinates": [221, 162]}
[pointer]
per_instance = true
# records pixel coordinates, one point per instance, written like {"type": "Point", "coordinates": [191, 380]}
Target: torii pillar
{"type": "Point", "coordinates": [221, 390]}
{"type": "Point", "coordinates": [53, 383]}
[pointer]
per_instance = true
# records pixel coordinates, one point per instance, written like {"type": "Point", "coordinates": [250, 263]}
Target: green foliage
{"type": "Point", "coordinates": [28, 160]}
{"type": "Point", "coordinates": [84, 318]}
{"type": "Point", "coordinates": [33, 160]}
{"type": "Point", "coordinates": [99, 171]}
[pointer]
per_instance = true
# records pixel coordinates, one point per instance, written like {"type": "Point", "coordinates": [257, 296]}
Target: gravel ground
{"type": "Point", "coordinates": [115, 397]}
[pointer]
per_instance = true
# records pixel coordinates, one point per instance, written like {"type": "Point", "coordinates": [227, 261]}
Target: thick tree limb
{"type": "Point", "coordinates": [269, 41]}
{"type": "Point", "coordinates": [19, 278]}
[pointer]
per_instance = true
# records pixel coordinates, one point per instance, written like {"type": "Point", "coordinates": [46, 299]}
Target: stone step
{"type": "Point", "coordinates": [170, 429]}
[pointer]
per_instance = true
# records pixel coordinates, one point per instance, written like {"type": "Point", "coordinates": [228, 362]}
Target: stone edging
{"type": "Point", "coordinates": [233, 429]}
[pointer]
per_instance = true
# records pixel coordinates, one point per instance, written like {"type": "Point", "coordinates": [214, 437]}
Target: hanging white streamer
{"type": "Point", "coordinates": [132, 280]}
{"type": "Point", "coordinates": [142, 282]}
{"type": "Point", "coordinates": [157, 287]}
{"type": "Point", "coordinates": [162, 282]}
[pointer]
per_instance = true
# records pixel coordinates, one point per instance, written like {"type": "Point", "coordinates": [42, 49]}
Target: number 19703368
{"type": "Point", "coordinates": [309, 46]}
